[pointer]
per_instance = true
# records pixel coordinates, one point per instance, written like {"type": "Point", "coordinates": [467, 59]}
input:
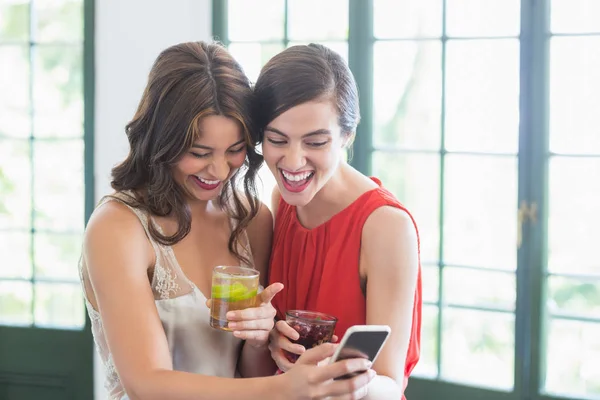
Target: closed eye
{"type": "Point", "coordinates": [317, 144]}
{"type": "Point", "coordinates": [198, 155]}
{"type": "Point", "coordinates": [276, 142]}
{"type": "Point", "coordinates": [239, 150]}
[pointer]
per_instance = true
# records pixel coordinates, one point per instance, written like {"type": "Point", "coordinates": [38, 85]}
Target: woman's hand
{"type": "Point", "coordinates": [280, 342]}
{"type": "Point", "coordinates": [310, 378]}
{"type": "Point", "coordinates": [255, 324]}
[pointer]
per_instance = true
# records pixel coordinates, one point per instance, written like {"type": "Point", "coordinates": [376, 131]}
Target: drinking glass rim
{"type": "Point", "coordinates": [329, 319]}
{"type": "Point", "coordinates": [249, 273]}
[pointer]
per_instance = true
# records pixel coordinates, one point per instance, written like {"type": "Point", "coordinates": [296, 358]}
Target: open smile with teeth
{"type": "Point", "coordinates": [208, 182]}
{"type": "Point", "coordinates": [297, 177]}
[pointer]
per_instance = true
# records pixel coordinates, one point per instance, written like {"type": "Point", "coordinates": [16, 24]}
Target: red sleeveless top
{"type": "Point", "coordinates": [320, 267]}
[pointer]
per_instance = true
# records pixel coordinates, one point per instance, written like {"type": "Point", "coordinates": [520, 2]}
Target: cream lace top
{"type": "Point", "coordinates": [194, 346]}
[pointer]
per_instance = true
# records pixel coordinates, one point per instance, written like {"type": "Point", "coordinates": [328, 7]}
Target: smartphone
{"type": "Point", "coordinates": [361, 341]}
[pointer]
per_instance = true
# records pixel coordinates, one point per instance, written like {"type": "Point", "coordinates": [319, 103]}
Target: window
{"type": "Point", "coordinates": [572, 301]}
{"type": "Point", "coordinates": [482, 117]}
{"type": "Point", "coordinates": [42, 148]}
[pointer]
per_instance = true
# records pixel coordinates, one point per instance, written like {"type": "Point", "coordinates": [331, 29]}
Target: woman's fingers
{"type": "Point", "coordinates": [254, 313]}
{"type": "Point", "coordinates": [344, 367]}
{"type": "Point", "coordinates": [286, 330]}
{"type": "Point", "coordinates": [270, 291]}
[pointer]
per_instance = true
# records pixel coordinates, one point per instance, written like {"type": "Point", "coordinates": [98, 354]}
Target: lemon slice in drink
{"type": "Point", "coordinates": [229, 292]}
{"type": "Point", "coordinates": [248, 294]}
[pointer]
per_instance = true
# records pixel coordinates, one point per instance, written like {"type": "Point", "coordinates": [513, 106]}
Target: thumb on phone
{"type": "Point", "coordinates": [317, 354]}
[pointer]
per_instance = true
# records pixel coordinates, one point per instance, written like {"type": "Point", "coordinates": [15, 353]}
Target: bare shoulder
{"type": "Point", "coordinates": [114, 217]}
{"type": "Point", "coordinates": [115, 229]}
{"type": "Point", "coordinates": [275, 199]}
{"type": "Point", "coordinates": [390, 232]}
{"type": "Point", "coordinates": [263, 217]}
{"type": "Point", "coordinates": [389, 219]}
{"type": "Point", "coordinates": [262, 222]}
{"type": "Point", "coordinates": [260, 235]}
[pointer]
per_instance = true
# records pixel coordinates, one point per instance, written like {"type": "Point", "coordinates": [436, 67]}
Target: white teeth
{"type": "Point", "coordinates": [207, 181]}
{"type": "Point", "coordinates": [296, 177]}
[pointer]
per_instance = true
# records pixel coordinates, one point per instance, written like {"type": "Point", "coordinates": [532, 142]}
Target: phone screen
{"type": "Point", "coordinates": [362, 345]}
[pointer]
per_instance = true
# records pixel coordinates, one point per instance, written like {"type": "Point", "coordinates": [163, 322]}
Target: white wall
{"type": "Point", "coordinates": [129, 36]}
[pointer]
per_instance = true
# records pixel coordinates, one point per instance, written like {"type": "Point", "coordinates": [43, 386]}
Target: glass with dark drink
{"type": "Point", "coordinates": [314, 328]}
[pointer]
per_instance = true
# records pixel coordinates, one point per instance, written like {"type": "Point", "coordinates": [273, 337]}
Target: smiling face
{"type": "Point", "coordinates": [303, 149]}
{"type": "Point", "coordinates": [216, 155]}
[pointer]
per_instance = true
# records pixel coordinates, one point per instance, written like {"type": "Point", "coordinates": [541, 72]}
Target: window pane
{"type": "Point", "coordinates": [427, 365]}
{"type": "Point", "coordinates": [474, 18]}
{"type": "Point", "coordinates": [575, 16]}
{"type": "Point", "coordinates": [573, 351]}
{"type": "Point", "coordinates": [14, 21]}
{"type": "Point", "coordinates": [15, 303]}
{"type": "Point", "coordinates": [480, 227]}
{"type": "Point", "coordinates": [14, 91]}
{"type": "Point", "coordinates": [57, 256]}
{"type": "Point", "coordinates": [407, 94]}
{"type": "Point", "coordinates": [407, 18]}
{"type": "Point", "coordinates": [478, 348]}
{"type": "Point", "coordinates": [482, 96]}
{"type": "Point", "coordinates": [59, 188]}
{"type": "Point", "coordinates": [59, 305]}
{"type": "Point", "coordinates": [59, 20]}
{"type": "Point", "coordinates": [329, 22]}
{"type": "Point", "coordinates": [58, 91]}
{"type": "Point", "coordinates": [431, 283]}
{"type": "Point", "coordinates": [574, 100]}
{"type": "Point", "coordinates": [15, 184]}
{"type": "Point", "coordinates": [252, 56]}
{"type": "Point", "coordinates": [415, 181]}
{"type": "Point", "coordinates": [574, 215]}
{"type": "Point", "coordinates": [573, 296]}
{"type": "Point", "coordinates": [470, 287]}
{"type": "Point", "coordinates": [16, 255]}
{"type": "Point", "coordinates": [254, 20]}
{"type": "Point", "coordinates": [339, 47]}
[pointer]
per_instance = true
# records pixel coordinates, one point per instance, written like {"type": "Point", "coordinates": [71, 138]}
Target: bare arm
{"type": "Point", "coordinates": [256, 360]}
{"type": "Point", "coordinates": [389, 255]}
{"type": "Point", "coordinates": [118, 255]}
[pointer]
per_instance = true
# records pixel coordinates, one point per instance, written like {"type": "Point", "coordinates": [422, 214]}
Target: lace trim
{"type": "Point", "coordinates": [94, 315]}
{"type": "Point", "coordinates": [166, 281]}
{"type": "Point", "coordinates": [112, 378]}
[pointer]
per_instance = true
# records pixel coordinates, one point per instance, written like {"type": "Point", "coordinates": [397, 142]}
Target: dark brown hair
{"type": "Point", "coordinates": [306, 73]}
{"type": "Point", "coordinates": [187, 82]}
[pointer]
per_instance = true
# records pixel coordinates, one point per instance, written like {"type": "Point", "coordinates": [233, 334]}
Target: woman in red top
{"type": "Point", "coordinates": [343, 244]}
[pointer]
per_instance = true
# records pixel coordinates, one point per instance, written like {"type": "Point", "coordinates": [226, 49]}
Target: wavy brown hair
{"type": "Point", "coordinates": [187, 82]}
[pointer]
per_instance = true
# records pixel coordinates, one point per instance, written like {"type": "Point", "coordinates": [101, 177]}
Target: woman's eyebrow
{"type": "Point", "coordinates": [313, 133]}
{"type": "Point", "coordinates": [201, 146]}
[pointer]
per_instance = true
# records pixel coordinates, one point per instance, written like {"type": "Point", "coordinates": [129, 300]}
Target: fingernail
{"type": "Point", "coordinates": [230, 315]}
{"type": "Point", "coordinates": [232, 325]}
{"type": "Point", "coordinates": [372, 373]}
{"type": "Point", "coordinates": [368, 364]}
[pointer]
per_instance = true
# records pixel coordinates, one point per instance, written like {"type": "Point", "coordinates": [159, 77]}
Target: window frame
{"type": "Point", "coordinates": [87, 137]}
{"type": "Point", "coordinates": [29, 352]}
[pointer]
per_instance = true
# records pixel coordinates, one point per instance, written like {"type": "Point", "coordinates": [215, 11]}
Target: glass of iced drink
{"type": "Point", "coordinates": [233, 288]}
{"type": "Point", "coordinates": [314, 328]}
